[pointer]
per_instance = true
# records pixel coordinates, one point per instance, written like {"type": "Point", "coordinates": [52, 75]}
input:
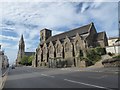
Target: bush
{"type": "Point", "coordinates": [93, 56]}
{"type": "Point", "coordinates": [100, 51]}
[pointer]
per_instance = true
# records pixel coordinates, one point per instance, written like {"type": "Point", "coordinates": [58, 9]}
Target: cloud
{"type": "Point", "coordinates": [2, 37]}
{"type": "Point", "coordinates": [5, 44]}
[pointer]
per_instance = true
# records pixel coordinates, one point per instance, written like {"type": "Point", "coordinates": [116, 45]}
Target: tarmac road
{"type": "Point", "coordinates": [29, 77]}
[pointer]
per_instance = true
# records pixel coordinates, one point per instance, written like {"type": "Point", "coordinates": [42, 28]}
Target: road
{"type": "Point", "coordinates": [29, 77]}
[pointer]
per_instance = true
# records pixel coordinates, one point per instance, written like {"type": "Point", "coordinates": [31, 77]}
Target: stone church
{"type": "Point", "coordinates": [21, 51]}
{"type": "Point", "coordinates": [63, 50]}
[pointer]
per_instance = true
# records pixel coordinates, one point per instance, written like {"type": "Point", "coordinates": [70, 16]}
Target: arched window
{"type": "Point", "coordinates": [77, 46]}
{"type": "Point", "coordinates": [78, 49]}
{"type": "Point", "coordinates": [50, 50]}
{"type": "Point", "coordinates": [44, 50]}
{"type": "Point", "coordinates": [38, 51]}
{"type": "Point", "coordinates": [58, 49]}
{"type": "Point", "coordinates": [66, 47]}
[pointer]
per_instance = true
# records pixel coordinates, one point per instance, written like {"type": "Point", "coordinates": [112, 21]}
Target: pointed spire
{"type": "Point", "coordinates": [22, 39]}
{"type": "Point", "coordinates": [92, 23]}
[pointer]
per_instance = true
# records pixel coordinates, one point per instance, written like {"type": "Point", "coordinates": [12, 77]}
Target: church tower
{"type": "Point", "coordinates": [45, 34]}
{"type": "Point", "coordinates": [21, 50]}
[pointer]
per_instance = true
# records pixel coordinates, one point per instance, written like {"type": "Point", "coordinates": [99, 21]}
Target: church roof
{"type": "Point", "coordinates": [100, 36]}
{"type": "Point", "coordinates": [29, 53]}
{"type": "Point", "coordinates": [71, 33]}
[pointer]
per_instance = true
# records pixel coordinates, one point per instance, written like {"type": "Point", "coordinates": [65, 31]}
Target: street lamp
{"type": "Point", "coordinates": [114, 48]}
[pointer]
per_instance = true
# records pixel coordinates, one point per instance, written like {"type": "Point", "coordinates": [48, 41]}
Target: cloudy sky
{"type": "Point", "coordinates": [28, 18]}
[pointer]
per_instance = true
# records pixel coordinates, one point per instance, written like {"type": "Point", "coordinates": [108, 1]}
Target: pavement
{"type": "Point", "coordinates": [0, 78]}
{"type": "Point", "coordinates": [95, 69]}
{"type": "Point", "coordinates": [3, 75]}
{"type": "Point", "coordinates": [29, 77]}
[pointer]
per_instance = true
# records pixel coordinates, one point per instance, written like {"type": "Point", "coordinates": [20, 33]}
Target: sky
{"type": "Point", "coordinates": [28, 18]}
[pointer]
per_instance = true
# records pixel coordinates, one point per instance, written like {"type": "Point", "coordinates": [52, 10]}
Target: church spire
{"type": "Point", "coordinates": [21, 43]}
{"type": "Point", "coordinates": [22, 39]}
{"type": "Point", "coordinates": [21, 50]}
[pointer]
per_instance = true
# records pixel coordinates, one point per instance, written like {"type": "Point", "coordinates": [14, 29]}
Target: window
{"type": "Point", "coordinates": [77, 46]}
{"type": "Point", "coordinates": [58, 49]}
{"type": "Point", "coordinates": [50, 50]}
{"type": "Point", "coordinates": [81, 53]}
{"type": "Point", "coordinates": [44, 50]}
{"type": "Point", "coordinates": [66, 47]}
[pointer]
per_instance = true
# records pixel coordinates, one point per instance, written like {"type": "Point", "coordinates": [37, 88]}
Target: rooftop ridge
{"type": "Point", "coordinates": [80, 30]}
{"type": "Point", "coordinates": [72, 29]}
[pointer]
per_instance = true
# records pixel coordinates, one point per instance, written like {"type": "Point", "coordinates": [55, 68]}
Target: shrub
{"type": "Point", "coordinates": [93, 56]}
{"type": "Point", "coordinates": [100, 51]}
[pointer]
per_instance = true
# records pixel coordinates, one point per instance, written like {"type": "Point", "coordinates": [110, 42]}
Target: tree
{"type": "Point", "coordinates": [30, 59]}
{"type": "Point", "coordinates": [24, 60]}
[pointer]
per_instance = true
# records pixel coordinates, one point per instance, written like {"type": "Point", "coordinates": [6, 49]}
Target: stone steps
{"type": "Point", "coordinates": [99, 63]}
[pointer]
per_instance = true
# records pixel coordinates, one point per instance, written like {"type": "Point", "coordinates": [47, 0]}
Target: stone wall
{"type": "Point", "coordinates": [113, 49]}
{"type": "Point", "coordinates": [114, 62]}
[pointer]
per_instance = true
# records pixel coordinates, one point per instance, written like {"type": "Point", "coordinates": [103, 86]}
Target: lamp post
{"type": "Point", "coordinates": [114, 48]}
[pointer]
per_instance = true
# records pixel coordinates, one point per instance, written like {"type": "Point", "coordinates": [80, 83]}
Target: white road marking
{"type": "Point", "coordinates": [98, 77]}
{"type": "Point", "coordinates": [77, 70]}
{"type": "Point", "coordinates": [87, 84]}
{"type": "Point", "coordinates": [47, 75]}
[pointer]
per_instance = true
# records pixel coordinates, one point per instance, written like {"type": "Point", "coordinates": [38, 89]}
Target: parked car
{"type": "Point", "coordinates": [13, 67]}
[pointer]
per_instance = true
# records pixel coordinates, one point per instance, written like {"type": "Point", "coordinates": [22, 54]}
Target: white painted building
{"type": "Point", "coordinates": [113, 49]}
{"type": "Point", "coordinates": [3, 60]}
{"type": "Point", "coordinates": [113, 45]}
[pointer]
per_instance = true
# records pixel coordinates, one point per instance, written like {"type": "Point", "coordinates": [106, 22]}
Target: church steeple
{"type": "Point", "coordinates": [21, 40]}
{"type": "Point", "coordinates": [21, 43]}
{"type": "Point", "coordinates": [21, 49]}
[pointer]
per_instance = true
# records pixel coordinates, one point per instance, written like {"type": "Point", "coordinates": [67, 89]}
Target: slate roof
{"type": "Point", "coordinates": [71, 33]}
{"type": "Point", "coordinates": [100, 36]}
{"type": "Point", "coordinates": [29, 53]}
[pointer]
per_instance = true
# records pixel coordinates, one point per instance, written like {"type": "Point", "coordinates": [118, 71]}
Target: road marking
{"type": "Point", "coordinates": [47, 75]}
{"type": "Point", "coordinates": [77, 70]}
{"type": "Point", "coordinates": [98, 77]}
{"type": "Point", "coordinates": [87, 84]}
